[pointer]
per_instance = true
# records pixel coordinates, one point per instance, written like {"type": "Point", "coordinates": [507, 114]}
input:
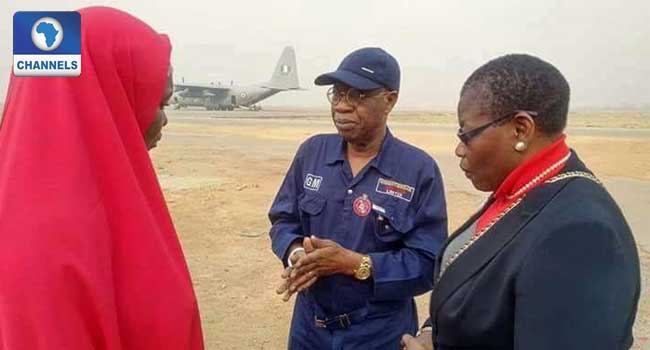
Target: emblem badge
{"type": "Point", "coordinates": [362, 206]}
{"type": "Point", "coordinates": [312, 182]}
{"type": "Point", "coordinates": [395, 189]}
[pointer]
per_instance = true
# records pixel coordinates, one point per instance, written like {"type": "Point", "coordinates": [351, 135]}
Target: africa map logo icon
{"type": "Point", "coordinates": [47, 34]}
{"type": "Point", "coordinates": [40, 48]}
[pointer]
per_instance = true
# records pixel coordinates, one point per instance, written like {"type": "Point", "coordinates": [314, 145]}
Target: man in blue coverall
{"type": "Point", "coordinates": [358, 219]}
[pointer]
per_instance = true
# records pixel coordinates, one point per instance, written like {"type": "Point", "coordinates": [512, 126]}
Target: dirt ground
{"type": "Point", "coordinates": [220, 173]}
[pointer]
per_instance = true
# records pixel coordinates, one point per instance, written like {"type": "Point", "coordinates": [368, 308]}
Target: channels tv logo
{"type": "Point", "coordinates": [47, 44]}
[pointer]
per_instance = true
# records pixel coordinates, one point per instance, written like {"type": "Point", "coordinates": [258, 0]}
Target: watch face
{"type": "Point", "coordinates": [363, 273]}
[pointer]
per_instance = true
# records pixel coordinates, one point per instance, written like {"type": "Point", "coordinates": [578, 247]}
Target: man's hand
{"type": "Point", "coordinates": [290, 285]}
{"type": "Point", "coordinates": [284, 287]}
{"type": "Point", "coordinates": [327, 258]}
{"type": "Point", "coordinates": [322, 257]}
{"type": "Point", "coordinates": [421, 342]}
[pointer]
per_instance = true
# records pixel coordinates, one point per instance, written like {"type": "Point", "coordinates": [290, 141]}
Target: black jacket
{"type": "Point", "coordinates": [560, 271]}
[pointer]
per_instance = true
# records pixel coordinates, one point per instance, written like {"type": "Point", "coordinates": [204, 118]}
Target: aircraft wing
{"type": "Point", "coordinates": [194, 90]}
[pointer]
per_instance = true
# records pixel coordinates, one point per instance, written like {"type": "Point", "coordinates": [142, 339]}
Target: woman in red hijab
{"type": "Point", "coordinates": [89, 258]}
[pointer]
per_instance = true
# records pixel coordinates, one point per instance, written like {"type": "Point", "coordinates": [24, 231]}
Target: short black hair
{"type": "Point", "coordinates": [522, 82]}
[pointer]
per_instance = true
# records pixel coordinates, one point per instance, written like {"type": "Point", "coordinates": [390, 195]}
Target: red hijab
{"type": "Point", "coordinates": [89, 258]}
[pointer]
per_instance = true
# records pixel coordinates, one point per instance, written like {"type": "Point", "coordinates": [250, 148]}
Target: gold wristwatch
{"type": "Point", "coordinates": [364, 270]}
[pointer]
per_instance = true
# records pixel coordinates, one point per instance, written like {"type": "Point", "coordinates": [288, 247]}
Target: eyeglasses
{"type": "Point", "coordinates": [352, 96]}
{"type": "Point", "coordinates": [466, 136]}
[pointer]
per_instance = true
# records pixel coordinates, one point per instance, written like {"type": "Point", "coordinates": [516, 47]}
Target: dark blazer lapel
{"type": "Point", "coordinates": [485, 248]}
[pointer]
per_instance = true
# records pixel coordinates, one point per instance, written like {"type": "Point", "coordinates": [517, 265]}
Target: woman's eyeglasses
{"type": "Point", "coordinates": [466, 136]}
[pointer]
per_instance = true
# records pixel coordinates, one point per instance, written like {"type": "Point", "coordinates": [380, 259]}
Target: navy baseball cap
{"type": "Point", "coordinates": [365, 69]}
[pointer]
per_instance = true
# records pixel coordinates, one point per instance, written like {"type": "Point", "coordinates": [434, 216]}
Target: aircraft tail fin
{"type": "Point", "coordinates": [285, 75]}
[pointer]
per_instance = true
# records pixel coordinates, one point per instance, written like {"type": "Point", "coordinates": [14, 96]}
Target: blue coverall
{"type": "Point", "coordinates": [402, 231]}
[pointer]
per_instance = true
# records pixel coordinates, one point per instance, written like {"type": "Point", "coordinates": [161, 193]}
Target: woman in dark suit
{"type": "Point", "coordinates": [549, 261]}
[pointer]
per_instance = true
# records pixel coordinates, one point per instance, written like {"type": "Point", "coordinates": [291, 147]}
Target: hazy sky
{"type": "Point", "coordinates": [602, 47]}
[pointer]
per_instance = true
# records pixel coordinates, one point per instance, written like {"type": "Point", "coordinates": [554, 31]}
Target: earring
{"type": "Point", "coordinates": [520, 146]}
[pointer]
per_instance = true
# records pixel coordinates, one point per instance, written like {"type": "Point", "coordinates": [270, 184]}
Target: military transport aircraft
{"type": "Point", "coordinates": [229, 97]}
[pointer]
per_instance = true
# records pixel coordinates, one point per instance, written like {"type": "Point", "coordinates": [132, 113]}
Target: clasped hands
{"type": "Point", "coordinates": [321, 257]}
{"type": "Point", "coordinates": [324, 257]}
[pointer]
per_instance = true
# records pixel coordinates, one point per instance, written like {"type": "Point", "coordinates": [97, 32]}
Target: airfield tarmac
{"type": "Point", "coordinates": [221, 170]}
